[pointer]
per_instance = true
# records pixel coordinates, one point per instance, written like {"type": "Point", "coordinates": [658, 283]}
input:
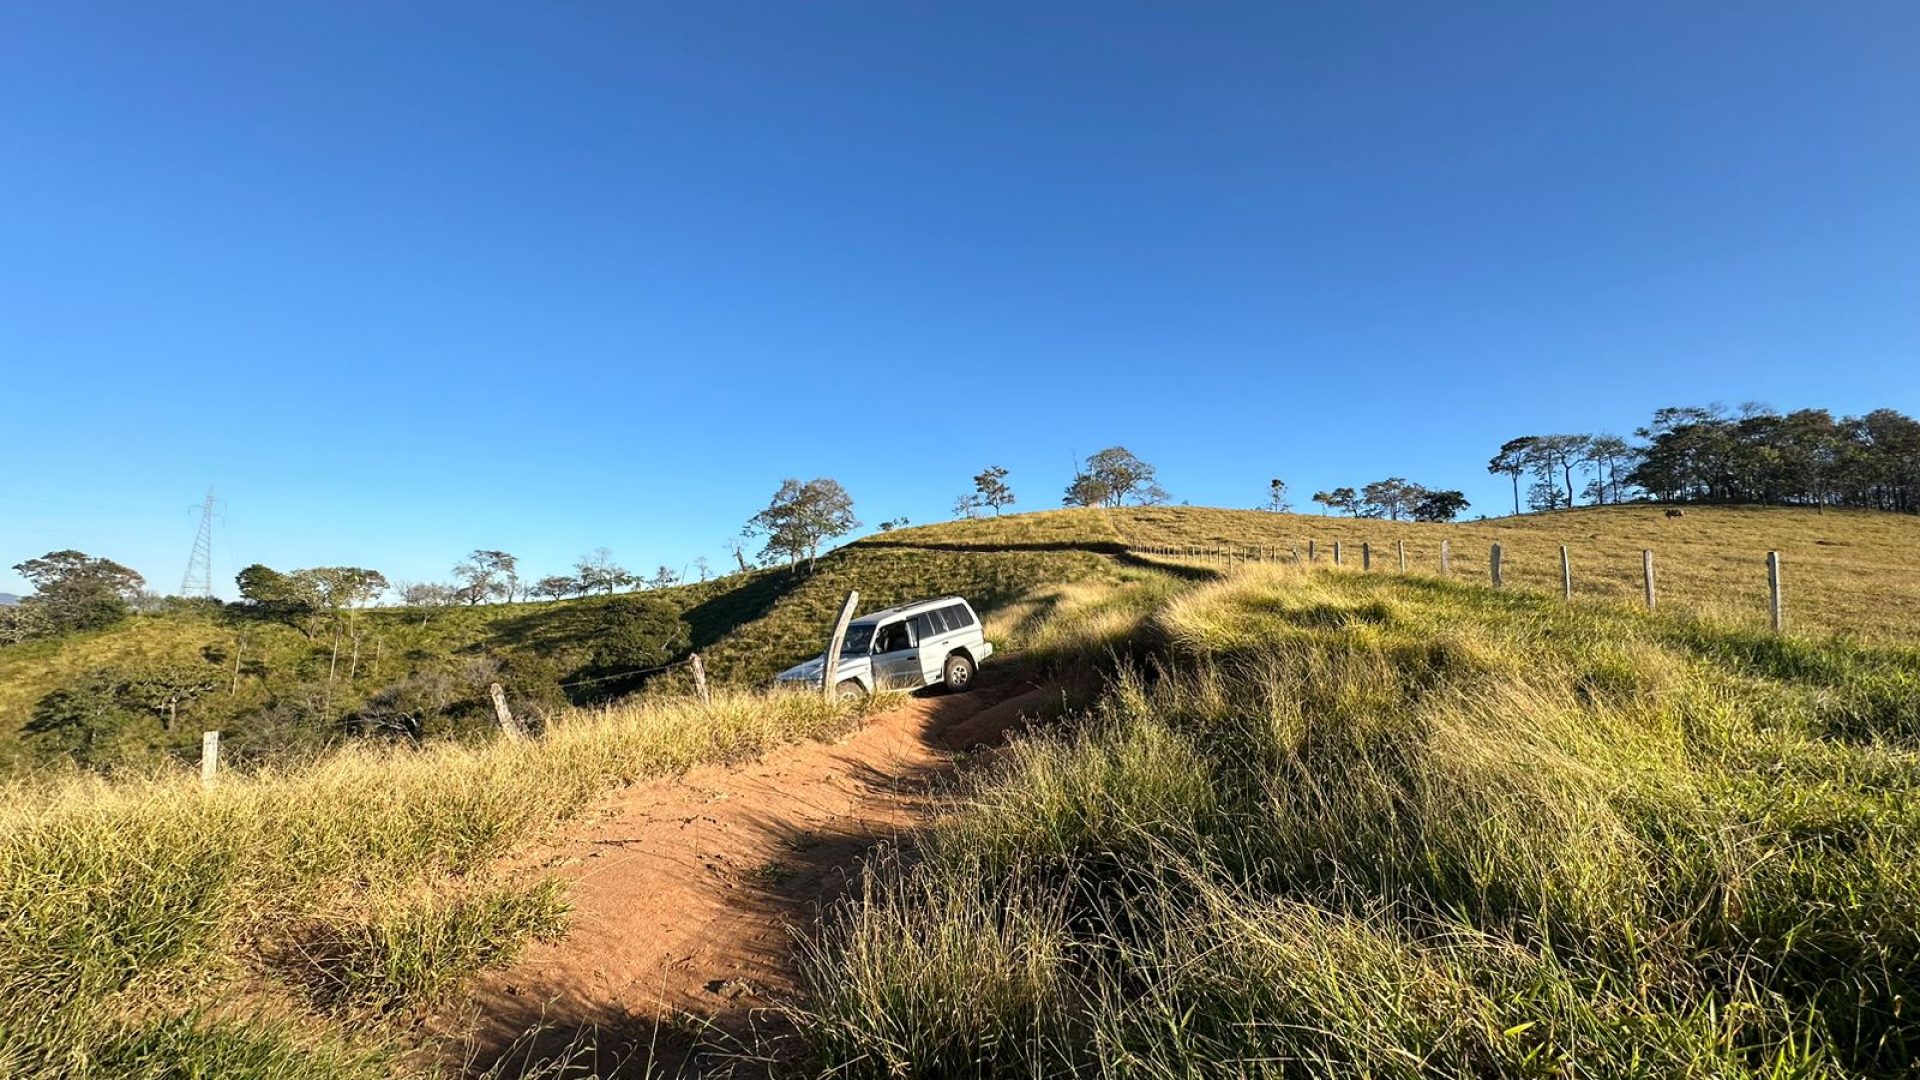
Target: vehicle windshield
{"type": "Point", "coordinates": [859, 640]}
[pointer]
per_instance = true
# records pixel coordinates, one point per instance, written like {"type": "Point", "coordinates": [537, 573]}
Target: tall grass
{"type": "Point", "coordinates": [141, 919]}
{"type": "Point", "coordinates": [1332, 823]}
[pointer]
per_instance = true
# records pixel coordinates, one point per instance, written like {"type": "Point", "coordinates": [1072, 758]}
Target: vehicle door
{"type": "Point", "coordinates": [936, 634]}
{"type": "Point", "coordinates": [896, 657]}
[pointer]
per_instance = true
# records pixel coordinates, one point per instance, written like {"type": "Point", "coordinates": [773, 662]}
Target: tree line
{"type": "Point", "coordinates": [1394, 498]}
{"type": "Point", "coordinates": [1707, 454]}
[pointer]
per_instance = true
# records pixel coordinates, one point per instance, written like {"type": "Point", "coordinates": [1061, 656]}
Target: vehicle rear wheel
{"type": "Point", "coordinates": [850, 690]}
{"type": "Point", "coordinates": [959, 672]}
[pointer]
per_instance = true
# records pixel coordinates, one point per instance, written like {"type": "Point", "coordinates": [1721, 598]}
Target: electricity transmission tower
{"type": "Point", "coordinates": [199, 578]}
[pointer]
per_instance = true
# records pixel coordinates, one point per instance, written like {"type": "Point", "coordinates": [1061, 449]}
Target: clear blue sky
{"type": "Point", "coordinates": [400, 280]}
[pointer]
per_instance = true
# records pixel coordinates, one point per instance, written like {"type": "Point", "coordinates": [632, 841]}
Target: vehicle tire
{"type": "Point", "coordinates": [849, 690]}
{"type": "Point", "coordinates": [958, 674]}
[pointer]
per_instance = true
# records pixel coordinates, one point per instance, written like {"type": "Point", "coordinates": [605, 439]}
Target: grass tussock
{"type": "Point", "coordinates": [130, 908]}
{"type": "Point", "coordinates": [1335, 823]}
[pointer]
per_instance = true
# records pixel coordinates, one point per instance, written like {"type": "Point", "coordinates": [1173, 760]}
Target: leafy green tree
{"type": "Point", "coordinates": [1515, 459]}
{"type": "Point", "coordinates": [664, 578]}
{"type": "Point", "coordinates": [1325, 499]}
{"type": "Point", "coordinates": [555, 586]}
{"type": "Point", "coordinates": [1390, 498]}
{"type": "Point", "coordinates": [1609, 454]}
{"type": "Point", "coordinates": [23, 622]}
{"type": "Point", "coordinates": [598, 572]}
{"type": "Point", "coordinates": [1113, 477]}
{"type": "Point", "coordinates": [487, 575]}
{"type": "Point", "coordinates": [77, 591]}
{"type": "Point", "coordinates": [1086, 490]}
{"type": "Point", "coordinates": [161, 688]}
{"type": "Point", "coordinates": [1439, 506]}
{"type": "Point", "coordinates": [343, 588]}
{"type": "Point", "coordinates": [426, 594]}
{"type": "Point", "coordinates": [990, 485]}
{"type": "Point", "coordinates": [87, 721]}
{"type": "Point", "coordinates": [800, 518]}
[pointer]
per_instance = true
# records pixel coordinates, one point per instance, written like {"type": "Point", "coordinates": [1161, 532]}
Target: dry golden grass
{"type": "Point", "coordinates": [1845, 572]}
{"type": "Point", "coordinates": [357, 883]}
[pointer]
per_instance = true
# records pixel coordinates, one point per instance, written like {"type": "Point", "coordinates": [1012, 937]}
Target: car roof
{"type": "Point", "coordinates": [909, 609]}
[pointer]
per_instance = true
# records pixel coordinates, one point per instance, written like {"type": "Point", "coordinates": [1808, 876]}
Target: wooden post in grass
{"type": "Point", "coordinates": [1446, 564]}
{"type": "Point", "coordinates": [839, 638]}
{"type": "Point", "coordinates": [1493, 566]}
{"type": "Point", "coordinates": [209, 757]}
{"type": "Point", "coordinates": [508, 725]}
{"type": "Point", "coordinates": [699, 678]}
{"type": "Point", "coordinates": [1336, 553]}
{"type": "Point", "coordinates": [1401, 545]}
{"type": "Point", "coordinates": [1566, 574]}
{"type": "Point", "coordinates": [1366, 555]}
{"type": "Point", "coordinates": [1312, 554]}
{"type": "Point", "coordinates": [1646, 568]}
{"type": "Point", "coordinates": [1773, 590]}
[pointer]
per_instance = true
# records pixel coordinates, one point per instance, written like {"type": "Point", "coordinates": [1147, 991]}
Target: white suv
{"type": "Point", "coordinates": [932, 642]}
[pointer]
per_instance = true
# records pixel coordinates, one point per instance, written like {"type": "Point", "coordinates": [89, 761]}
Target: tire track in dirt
{"type": "Point", "coordinates": [687, 893]}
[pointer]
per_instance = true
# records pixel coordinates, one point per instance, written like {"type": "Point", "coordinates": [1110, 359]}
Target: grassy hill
{"type": "Point", "coordinates": [548, 655]}
{"type": "Point", "coordinates": [1346, 824]}
{"type": "Point", "coordinates": [1847, 572]}
{"type": "Point", "coordinates": [1317, 821]}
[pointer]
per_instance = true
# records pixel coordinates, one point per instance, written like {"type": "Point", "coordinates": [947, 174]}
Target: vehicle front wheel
{"type": "Point", "coordinates": [850, 690]}
{"type": "Point", "coordinates": [959, 672]}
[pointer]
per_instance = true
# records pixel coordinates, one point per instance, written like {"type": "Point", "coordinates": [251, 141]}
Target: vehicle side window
{"type": "Point", "coordinates": [893, 638]}
{"type": "Point", "coordinates": [928, 626]}
{"type": "Point", "coordinates": [958, 617]}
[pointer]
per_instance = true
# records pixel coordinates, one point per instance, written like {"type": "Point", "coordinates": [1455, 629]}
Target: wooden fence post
{"type": "Point", "coordinates": [209, 757]}
{"type": "Point", "coordinates": [508, 725]}
{"type": "Point", "coordinates": [828, 684]}
{"type": "Point", "coordinates": [1401, 545]}
{"type": "Point", "coordinates": [1493, 566]}
{"type": "Point", "coordinates": [1566, 574]}
{"type": "Point", "coordinates": [1312, 554]}
{"type": "Point", "coordinates": [1366, 555]}
{"type": "Point", "coordinates": [1446, 565]}
{"type": "Point", "coordinates": [699, 678]}
{"type": "Point", "coordinates": [1336, 553]}
{"type": "Point", "coordinates": [1646, 568]}
{"type": "Point", "coordinates": [1773, 590]}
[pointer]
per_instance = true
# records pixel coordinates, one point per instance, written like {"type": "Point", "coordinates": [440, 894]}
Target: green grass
{"type": "Point", "coordinates": [1370, 825]}
{"type": "Point", "coordinates": [1317, 822]}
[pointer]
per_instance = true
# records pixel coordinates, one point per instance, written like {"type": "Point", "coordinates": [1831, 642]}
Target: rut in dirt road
{"type": "Point", "coordinates": [687, 893]}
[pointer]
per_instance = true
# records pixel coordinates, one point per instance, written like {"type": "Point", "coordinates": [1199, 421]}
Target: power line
{"type": "Point", "coordinates": [199, 577]}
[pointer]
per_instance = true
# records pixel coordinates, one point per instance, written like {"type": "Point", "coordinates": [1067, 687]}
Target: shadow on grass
{"type": "Point", "coordinates": [718, 1022]}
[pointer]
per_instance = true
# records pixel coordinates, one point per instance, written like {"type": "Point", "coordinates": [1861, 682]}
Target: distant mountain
{"type": "Point", "coordinates": [8, 598]}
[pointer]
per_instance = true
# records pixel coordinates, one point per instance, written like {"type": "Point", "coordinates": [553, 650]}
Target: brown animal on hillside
{"type": "Point", "coordinates": [1676, 513]}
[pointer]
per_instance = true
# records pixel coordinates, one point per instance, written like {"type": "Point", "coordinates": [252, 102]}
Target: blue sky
{"type": "Point", "coordinates": [399, 280]}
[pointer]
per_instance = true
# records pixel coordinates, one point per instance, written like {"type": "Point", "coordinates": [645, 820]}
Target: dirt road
{"type": "Point", "coordinates": [687, 893]}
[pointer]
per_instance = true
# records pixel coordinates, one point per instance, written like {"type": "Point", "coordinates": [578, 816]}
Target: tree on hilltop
{"type": "Point", "coordinates": [800, 518]}
{"type": "Point", "coordinates": [598, 572]}
{"type": "Point", "coordinates": [77, 591]}
{"type": "Point", "coordinates": [1390, 498]}
{"type": "Point", "coordinates": [1277, 496]}
{"type": "Point", "coordinates": [1113, 477]}
{"type": "Point", "coordinates": [1439, 506]}
{"type": "Point", "coordinates": [990, 487]}
{"type": "Point", "coordinates": [488, 575]}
